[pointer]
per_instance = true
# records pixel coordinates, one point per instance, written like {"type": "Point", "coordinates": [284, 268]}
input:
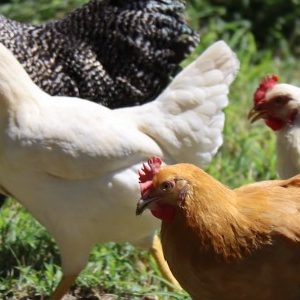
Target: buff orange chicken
{"type": "Point", "coordinates": [222, 243]}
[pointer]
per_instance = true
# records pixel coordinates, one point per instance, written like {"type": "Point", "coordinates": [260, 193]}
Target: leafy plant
{"type": "Point", "coordinates": [273, 23]}
{"type": "Point", "coordinates": [37, 11]}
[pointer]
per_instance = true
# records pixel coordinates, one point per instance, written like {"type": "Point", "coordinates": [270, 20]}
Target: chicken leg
{"type": "Point", "coordinates": [157, 252]}
{"type": "Point", "coordinates": [63, 287]}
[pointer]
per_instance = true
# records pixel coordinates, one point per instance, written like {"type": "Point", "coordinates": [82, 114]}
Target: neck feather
{"type": "Point", "coordinates": [211, 214]}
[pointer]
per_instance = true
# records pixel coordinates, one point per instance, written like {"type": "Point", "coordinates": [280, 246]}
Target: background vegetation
{"type": "Point", "coordinates": [266, 38]}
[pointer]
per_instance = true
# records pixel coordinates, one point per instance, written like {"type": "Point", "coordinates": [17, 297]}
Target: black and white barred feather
{"type": "Point", "coordinates": [114, 52]}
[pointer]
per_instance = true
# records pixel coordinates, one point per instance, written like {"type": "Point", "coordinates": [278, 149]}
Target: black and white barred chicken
{"type": "Point", "coordinates": [114, 52]}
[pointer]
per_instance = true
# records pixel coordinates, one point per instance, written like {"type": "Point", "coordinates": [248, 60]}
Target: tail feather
{"type": "Point", "coordinates": [140, 44]}
{"type": "Point", "coordinates": [114, 52]}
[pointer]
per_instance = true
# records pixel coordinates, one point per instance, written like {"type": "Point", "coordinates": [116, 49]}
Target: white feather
{"type": "Point", "coordinates": [288, 151]}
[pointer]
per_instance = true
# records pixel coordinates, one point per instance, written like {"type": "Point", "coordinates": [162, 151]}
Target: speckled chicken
{"type": "Point", "coordinates": [114, 52]}
{"type": "Point", "coordinates": [222, 243]}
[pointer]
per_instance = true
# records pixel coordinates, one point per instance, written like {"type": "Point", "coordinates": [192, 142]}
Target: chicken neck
{"type": "Point", "coordinates": [211, 216]}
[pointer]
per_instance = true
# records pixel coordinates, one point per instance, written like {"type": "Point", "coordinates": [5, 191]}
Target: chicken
{"type": "Point", "coordinates": [114, 52]}
{"type": "Point", "coordinates": [279, 105]}
{"type": "Point", "coordinates": [222, 243]}
{"type": "Point", "coordinates": [72, 163]}
{"type": "Point", "coordinates": [110, 52]}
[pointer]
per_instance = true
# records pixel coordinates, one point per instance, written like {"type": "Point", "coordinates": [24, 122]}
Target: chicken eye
{"type": "Point", "coordinates": [167, 185]}
{"type": "Point", "coordinates": [281, 100]}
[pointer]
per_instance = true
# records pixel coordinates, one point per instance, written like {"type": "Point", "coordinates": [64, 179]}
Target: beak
{"type": "Point", "coordinates": [255, 114]}
{"type": "Point", "coordinates": [143, 204]}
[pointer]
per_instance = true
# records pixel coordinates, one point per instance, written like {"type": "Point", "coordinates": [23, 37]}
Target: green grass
{"type": "Point", "coordinates": [37, 11]}
{"type": "Point", "coordinates": [29, 261]}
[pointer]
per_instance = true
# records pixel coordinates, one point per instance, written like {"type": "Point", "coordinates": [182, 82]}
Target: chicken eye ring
{"type": "Point", "coordinates": [167, 186]}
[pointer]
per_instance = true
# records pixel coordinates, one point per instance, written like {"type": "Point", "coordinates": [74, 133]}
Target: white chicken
{"type": "Point", "coordinates": [73, 163]}
{"type": "Point", "coordinates": [279, 105]}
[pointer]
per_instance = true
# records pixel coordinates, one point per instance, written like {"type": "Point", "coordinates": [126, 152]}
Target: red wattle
{"type": "Point", "coordinates": [164, 212]}
{"type": "Point", "coordinates": [275, 124]}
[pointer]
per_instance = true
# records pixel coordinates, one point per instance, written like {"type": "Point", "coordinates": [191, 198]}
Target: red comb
{"type": "Point", "coordinates": [147, 172]}
{"type": "Point", "coordinates": [267, 83]}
